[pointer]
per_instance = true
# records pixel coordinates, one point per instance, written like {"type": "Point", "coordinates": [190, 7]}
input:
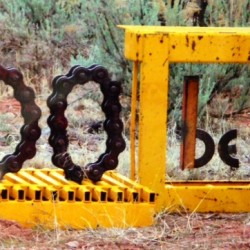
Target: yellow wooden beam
{"type": "Point", "coordinates": [153, 115]}
{"type": "Point", "coordinates": [192, 44]}
{"type": "Point", "coordinates": [78, 215]}
{"type": "Point", "coordinates": [208, 196]}
{"type": "Point", "coordinates": [35, 197]}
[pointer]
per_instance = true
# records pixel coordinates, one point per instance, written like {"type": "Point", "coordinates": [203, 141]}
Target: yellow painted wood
{"type": "Point", "coordinates": [133, 120]}
{"type": "Point", "coordinates": [65, 204]}
{"type": "Point", "coordinates": [152, 113]}
{"type": "Point", "coordinates": [208, 197]}
{"type": "Point", "coordinates": [190, 44]}
{"type": "Point", "coordinates": [78, 215]}
{"type": "Point", "coordinates": [155, 48]}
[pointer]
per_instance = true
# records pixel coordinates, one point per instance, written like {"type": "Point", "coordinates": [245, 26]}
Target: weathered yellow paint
{"type": "Point", "coordinates": [77, 215]}
{"type": "Point", "coordinates": [152, 114]}
{"type": "Point", "coordinates": [155, 48]}
{"type": "Point", "coordinates": [31, 199]}
{"type": "Point", "coordinates": [133, 121]}
{"type": "Point", "coordinates": [228, 197]}
{"type": "Point", "coordinates": [190, 44]}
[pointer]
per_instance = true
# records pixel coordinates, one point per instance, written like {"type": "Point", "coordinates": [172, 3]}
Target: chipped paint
{"type": "Point", "coordinates": [156, 49]}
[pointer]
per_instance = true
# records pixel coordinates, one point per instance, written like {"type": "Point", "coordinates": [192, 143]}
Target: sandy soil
{"type": "Point", "coordinates": [197, 231]}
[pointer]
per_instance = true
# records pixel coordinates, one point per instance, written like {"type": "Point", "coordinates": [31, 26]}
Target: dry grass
{"type": "Point", "coordinates": [215, 169]}
{"type": "Point", "coordinates": [171, 231]}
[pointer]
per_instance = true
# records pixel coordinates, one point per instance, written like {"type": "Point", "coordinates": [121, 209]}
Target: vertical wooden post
{"type": "Point", "coordinates": [133, 120]}
{"type": "Point", "coordinates": [189, 121]}
{"type": "Point", "coordinates": [154, 74]}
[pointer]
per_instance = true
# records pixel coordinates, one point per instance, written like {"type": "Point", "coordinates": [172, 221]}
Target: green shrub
{"type": "Point", "coordinates": [39, 37]}
{"type": "Point", "coordinates": [233, 80]}
{"type": "Point", "coordinates": [102, 17]}
{"type": "Point", "coordinates": [107, 41]}
{"type": "Point", "coordinates": [45, 37]}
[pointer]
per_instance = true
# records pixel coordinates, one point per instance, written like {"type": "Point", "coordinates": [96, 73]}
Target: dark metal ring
{"type": "Point", "coordinates": [226, 150]}
{"type": "Point", "coordinates": [209, 148]}
{"type": "Point", "coordinates": [30, 131]}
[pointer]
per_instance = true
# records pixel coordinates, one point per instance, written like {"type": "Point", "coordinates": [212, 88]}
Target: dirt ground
{"type": "Point", "coordinates": [176, 231]}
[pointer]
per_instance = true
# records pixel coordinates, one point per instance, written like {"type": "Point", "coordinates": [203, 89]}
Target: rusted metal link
{"type": "Point", "coordinates": [226, 150]}
{"type": "Point", "coordinates": [57, 102]}
{"type": "Point", "coordinates": [30, 131]}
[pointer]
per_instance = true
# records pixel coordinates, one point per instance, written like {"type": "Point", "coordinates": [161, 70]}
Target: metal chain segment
{"type": "Point", "coordinates": [57, 102]}
{"type": "Point", "coordinates": [30, 131]}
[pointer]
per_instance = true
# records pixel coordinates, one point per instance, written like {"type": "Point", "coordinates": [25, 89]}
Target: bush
{"type": "Point", "coordinates": [107, 45]}
{"type": "Point", "coordinates": [228, 82]}
{"type": "Point", "coordinates": [44, 37]}
{"type": "Point", "coordinates": [40, 37]}
{"type": "Point", "coordinates": [107, 41]}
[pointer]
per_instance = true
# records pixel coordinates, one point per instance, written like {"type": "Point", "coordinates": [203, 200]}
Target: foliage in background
{"type": "Point", "coordinates": [107, 40]}
{"type": "Point", "coordinates": [107, 46]}
{"type": "Point", "coordinates": [44, 37]}
{"type": "Point", "coordinates": [225, 87]}
{"type": "Point", "coordinates": [40, 37]}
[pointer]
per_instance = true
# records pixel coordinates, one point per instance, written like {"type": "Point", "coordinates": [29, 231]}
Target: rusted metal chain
{"type": "Point", "coordinates": [57, 102]}
{"type": "Point", "coordinates": [30, 131]}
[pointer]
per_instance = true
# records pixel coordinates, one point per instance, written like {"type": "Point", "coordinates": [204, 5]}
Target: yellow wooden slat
{"type": "Point", "coordinates": [130, 194]}
{"type": "Point", "coordinates": [114, 193]}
